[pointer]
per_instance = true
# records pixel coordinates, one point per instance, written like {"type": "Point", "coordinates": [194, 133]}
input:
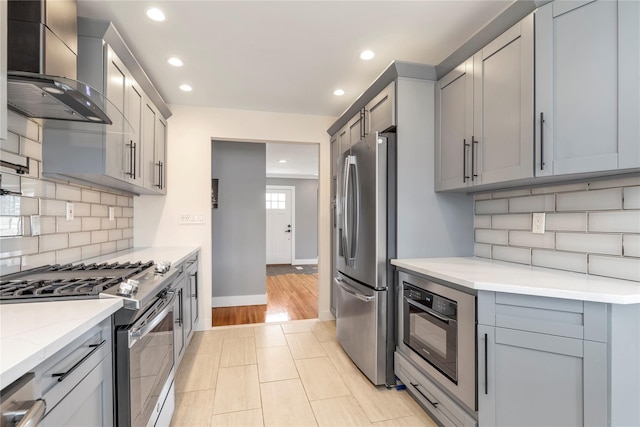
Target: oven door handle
{"type": "Point", "coordinates": [428, 310]}
{"type": "Point", "coordinates": [138, 333]}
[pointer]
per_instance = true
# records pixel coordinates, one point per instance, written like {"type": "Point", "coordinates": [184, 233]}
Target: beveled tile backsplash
{"type": "Point", "coordinates": [33, 226]}
{"type": "Point", "coordinates": [591, 227]}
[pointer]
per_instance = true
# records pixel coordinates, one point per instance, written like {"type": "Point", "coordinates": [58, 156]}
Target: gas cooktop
{"type": "Point", "coordinates": [55, 282]}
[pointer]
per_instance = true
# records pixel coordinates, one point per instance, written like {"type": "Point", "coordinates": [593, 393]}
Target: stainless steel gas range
{"type": "Point", "coordinates": [143, 332]}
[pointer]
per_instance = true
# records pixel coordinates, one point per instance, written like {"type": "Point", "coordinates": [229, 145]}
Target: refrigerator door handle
{"type": "Point", "coordinates": [354, 198]}
{"type": "Point", "coordinates": [353, 292]}
{"type": "Point", "coordinates": [345, 209]}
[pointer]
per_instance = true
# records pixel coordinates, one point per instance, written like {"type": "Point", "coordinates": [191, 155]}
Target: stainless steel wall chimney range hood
{"type": "Point", "coordinates": [42, 45]}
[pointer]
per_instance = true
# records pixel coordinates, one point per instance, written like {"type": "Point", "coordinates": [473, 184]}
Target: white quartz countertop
{"type": "Point", "coordinates": [31, 332]}
{"type": "Point", "coordinates": [489, 275]}
{"type": "Point", "coordinates": [175, 255]}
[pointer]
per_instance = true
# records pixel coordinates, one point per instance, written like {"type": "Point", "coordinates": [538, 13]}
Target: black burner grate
{"type": "Point", "coordinates": [42, 282]}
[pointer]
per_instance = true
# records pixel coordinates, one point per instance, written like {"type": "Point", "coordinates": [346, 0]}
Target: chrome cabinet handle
{"type": "Point", "coordinates": [417, 387]}
{"type": "Point", "coordinates": [32, 416]}
{"type": "Point", "coordinates": [61, 376]}
{"type": "Point", "coordinates": [486, 364]}
{"type": "Point", "coordinates": [130, 147]}
{"type": "Point", "coordinates": [473, 158]}
{"type": "Point", "coordinates": [135, 155]}
{"type": "Point", "coordinates": [464, 160]}
{"type": "Point", "coordinates": [541, 140]}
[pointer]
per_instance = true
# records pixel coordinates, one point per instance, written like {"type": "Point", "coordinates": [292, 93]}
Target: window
{"type": "Point", "coordinates": [275, 200]}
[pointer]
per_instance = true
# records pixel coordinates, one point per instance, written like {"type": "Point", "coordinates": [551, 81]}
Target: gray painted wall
{"type": "Point", "coordinates": [239, 223]}
{"type": "Point", "coordinates": [306, 215]}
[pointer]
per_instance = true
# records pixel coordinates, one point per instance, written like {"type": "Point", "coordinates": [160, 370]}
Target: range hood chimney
{"type": "Point", "coordinates": [41, 61]}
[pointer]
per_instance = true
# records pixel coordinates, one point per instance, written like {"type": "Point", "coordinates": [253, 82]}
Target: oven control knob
{"type": "Point", "coordinates": [163, 266]}
{"type": "Point", "coordinates": [128, 288]}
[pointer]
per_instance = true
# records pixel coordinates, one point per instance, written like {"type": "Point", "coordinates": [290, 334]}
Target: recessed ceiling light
{"type": "Point", "coordinates": [186, 88]}
{"type": "Point", "coordinates": [338, 92]}
{"type": "Point", "coordinates": [282, 161]}
{"type": "Point", "coordinates": [176, 62]}
{"type": "Point", "coordinates": [155, 14]}
{"type": "Point", "coordinates": [366, 55]}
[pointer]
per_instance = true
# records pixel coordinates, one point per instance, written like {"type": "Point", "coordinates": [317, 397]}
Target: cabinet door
{"type": "Point", "coordinates": [502, 140]}
{"type": "Point", "coordinates": [454, 128]}
{"type": "Point", "coordinates": [116, 91]}
{"type": "Point", "coordinates": [150, 170]}
{"type": "Point", "coordinates": [134, 147]}
{"type": "Point", "coordinates": [89, 404]}
{"type": "Point", "coordinates": [160, 150]}
{"type": "Point", "coordinates": [380, 113]}
{"type": "Point", "coordinates": [355, 128]}
{"type": "Point", "coordinates": [586, 80]}
{"type": "Point", "coordinates": [534, 379]}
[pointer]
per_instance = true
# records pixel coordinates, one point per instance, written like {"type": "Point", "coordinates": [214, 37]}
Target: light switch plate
{"type": "Point", "coordinates": [537, 225]}
{"type": "Point", "coordinates": [70, 211]}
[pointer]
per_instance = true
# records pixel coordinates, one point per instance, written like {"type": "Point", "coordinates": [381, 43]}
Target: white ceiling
{"type": "Point", "coordinates": [286, 56]}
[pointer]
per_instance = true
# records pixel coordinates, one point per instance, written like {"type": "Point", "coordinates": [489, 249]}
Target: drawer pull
{"type": "Point", "coordinates": [417, 387]}
{"type": "Point", "coordinates": [63, 375]}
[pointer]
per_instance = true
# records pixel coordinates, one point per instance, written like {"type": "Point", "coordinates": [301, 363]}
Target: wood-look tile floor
{"type": "Point", "coordinates": [289, 297]}
{"type": "Point", "coordinates": [289, 374]}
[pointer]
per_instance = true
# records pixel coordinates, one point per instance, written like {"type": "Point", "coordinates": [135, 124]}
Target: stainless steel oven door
{"type": "Point", "coordinates": [144, 364]}
{"type": "Point", "coordinates": [432, 335]}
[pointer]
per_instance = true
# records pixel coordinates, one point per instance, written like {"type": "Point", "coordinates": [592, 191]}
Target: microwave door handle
{"type": "Point", "coordinates": [356, 228]}
{"type": "Point", "coordinates": [427, 310]}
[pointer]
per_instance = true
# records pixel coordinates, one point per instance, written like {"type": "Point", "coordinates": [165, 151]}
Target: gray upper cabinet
{"type": "Point", "coordinates": [587, 87]}
{"type": "Point", "coordinates": [484, 114]}
{"type": "Point", "coordinates": [133, 148]}
{"type": "Point", "coordinates": [380, 113]}
{"type": "Point", "coordinates": [154, 133]}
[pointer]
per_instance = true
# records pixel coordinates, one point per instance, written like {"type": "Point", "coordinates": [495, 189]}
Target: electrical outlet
{"type": "Point", "coordinates": [70, 211]}
{"type": "Point", "coordinates": [195, 218]}
{"type": "Point", "coordinates": [537, 225]}
{"type": "Point", "coordinates": [112, 213]}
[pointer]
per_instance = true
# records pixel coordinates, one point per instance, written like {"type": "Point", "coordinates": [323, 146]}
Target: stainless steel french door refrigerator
{"type": "Point", "coordinates": [366, 242]}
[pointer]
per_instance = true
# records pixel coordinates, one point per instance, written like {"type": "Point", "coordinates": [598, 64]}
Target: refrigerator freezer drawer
{"type": "Point", "coordinates": [361, 326]}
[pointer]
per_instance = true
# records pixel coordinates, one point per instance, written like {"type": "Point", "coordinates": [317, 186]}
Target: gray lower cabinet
{"type": "Point", "coordinates": [532, 379]}
{"type": "Point", "coordinates": [179, 328]}
{"type": "Point", "coordinates": [186, 311]}
{"type": "Point", "coordinates": [587, 87]}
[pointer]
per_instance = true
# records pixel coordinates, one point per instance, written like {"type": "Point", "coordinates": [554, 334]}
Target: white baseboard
{"type": "Point", "coordinates": [238, 300]}
{"type": "Point", "coordinates": [325, 315]}
{"type": "Point", "coordinates": [310, 261]}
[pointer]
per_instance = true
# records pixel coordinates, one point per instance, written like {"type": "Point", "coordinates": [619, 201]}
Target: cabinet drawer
{"type": "Point", "coordinates": [430, 396]}
{"type": "Point", "coordinates": [552, 316]}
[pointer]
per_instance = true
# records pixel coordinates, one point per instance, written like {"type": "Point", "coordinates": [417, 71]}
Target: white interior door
{"type": "Point", "coordinates": [279, 225]}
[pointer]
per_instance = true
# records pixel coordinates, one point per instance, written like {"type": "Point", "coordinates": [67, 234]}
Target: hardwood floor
{"type": "Point", "coordinates": [289, 297]}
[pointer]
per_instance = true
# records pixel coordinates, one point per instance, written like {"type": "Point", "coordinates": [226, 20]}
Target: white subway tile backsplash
{"type": "Point", "coordinates": [82, 209]}
{"type": "Point", "coordinates": [127, 233]}
{"type": "Point", "coordinates": [16, 205]}
{"type": "Point", "coordinates": [37, 188]}
{"type": "Point", "coordinates": [122, 222]}
{"type": "Point", "coordinates": [79, 239]}
{"type": "Point", "coordinates": [37, 260]}
{"type": "Point", "coordinates": [99, 236]}
{"type": "Point", "coordinates": [612, 222]}
{"type": "Point", "coordinates": [115, 235]}
{"type": "Point", "coordinates": [491, 206]}
{"type": "Point", "coordinates": [532, 240]}
{"type": "Point", "coordinates": [18, 246]}
{"type": "Point", "coordinates": [482, 196]}
{"type": "Point", "coordinates": [122, 201]}
{"type": "Point", "coordinates": [631, 245]}
{"type": "Point", "coordinates": [53, 207]}
{"type": "Point", "coordinates": [511, 222]}
{"type": "Point", "coordinates": [12, 143]}
{"type": "Point", "coordinates": [122, 244]}
{"type": "Point", "coordinates": [90, 196]}
{"type": "Point", "coordinates": [617, 182]}
{"type": "Point", "coordinates": [482, 250]}
{"type": "Point", "coordinates": [54, 242]}
{"type": "Point", "coordinates": [541, 203]}
{"type": "Point", "coordinates": [47, 225]}
{"type": "Point", "coordinates": [498, 237]}
{"type": "Point", "coordinates": [632, 198]}
{"type": "Point", "coordinates": [26, 225]}
{"type": "Point", "coordinates": [11, 182]}
{"type": "Point", "coordinates": [131, 222]}
{"type": "Point", "coordinates": [566, 221]}
{"type": "Point", "coordinates": [65, 226]}
{"type": "Point", "coordinates": [30, 148]}
{"type": "Point", "coordinates": [9, 266]}
{"type": "Point", "coordinates": [560, 188]}
{"type": "Point", "coordinates": [22, 126]}
{"type": "Point", "coordinates": [127, 212]}
{"type": "Point", "coordinates": [34, 168]}
{"type": "Point", "coordinates": [595, 200]}
{"type": "Point", "coordinates": [610, 244]}
{"type": "Point", "coordinates": [107, 248]}
{"type": "Point", "coordinates": [90, 251]}
{"type": "Point", "coordinates": [482, 221]}
{"type": "Point", "coordinates": [107, 224]}
{"type": "Point", "coordinates": [67, 256]}
{"type": "Point", "coordinates": [510, 254]}
{"type": "Point", "coordinates": [99, 211]}
{"type": "Point", "coordinates": [571, 261]}
{"type": "Point", "coordinates": [69, 193]}
{"type": "Point", "coordinates": [617, 267]}
{"type": "Point", "coordinates": [90, 223]}
{"type": "Point", "coordinates": [117, 212]}
{"type": "Point", "coordinates": [10, 226]}
{"type": "Point", "coordinates": [511, 193]}
{"type": "Point", "coordinates": [107, 199]}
